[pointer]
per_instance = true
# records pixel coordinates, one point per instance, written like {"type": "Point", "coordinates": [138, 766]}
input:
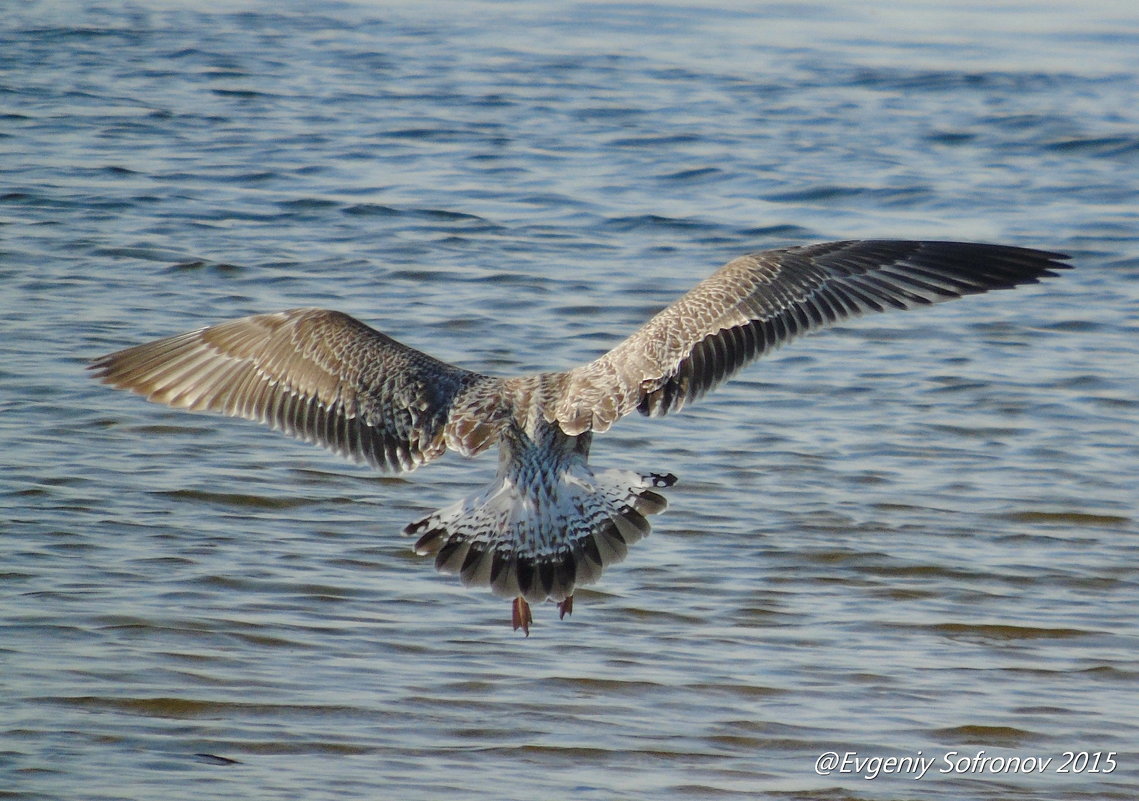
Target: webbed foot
{"type": "Point", "coordinates": [520, 615]}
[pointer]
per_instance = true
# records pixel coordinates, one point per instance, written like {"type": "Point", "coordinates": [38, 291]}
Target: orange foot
{"type": "Point", "coordinates": [565, 607]}
{"type": "Point", "coordinates": [521, 616]}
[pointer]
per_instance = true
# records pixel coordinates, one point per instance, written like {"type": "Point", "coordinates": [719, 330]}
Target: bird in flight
{"type": "Point", "coordinates": [547, 523]}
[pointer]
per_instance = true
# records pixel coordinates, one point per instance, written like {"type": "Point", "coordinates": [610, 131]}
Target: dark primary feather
{"type": "Point", "coordinates": [318, 375]}
{"type": "Point", "coordinates": [758, 302]}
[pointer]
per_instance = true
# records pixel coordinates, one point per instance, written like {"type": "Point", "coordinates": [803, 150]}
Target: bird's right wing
{"type": "Point", "coordinates": [318, 375]}
{"type": "Point", "coordinates": [757, 302]}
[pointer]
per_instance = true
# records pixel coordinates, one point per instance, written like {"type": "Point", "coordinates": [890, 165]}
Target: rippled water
{"type": "Point", "coordinates": [916, 533]}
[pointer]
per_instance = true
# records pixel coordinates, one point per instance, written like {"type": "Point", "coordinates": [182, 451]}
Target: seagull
{"type": "Point", "coordinates": [547, 523]}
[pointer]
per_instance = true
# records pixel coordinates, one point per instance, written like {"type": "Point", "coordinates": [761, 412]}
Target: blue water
{"type": "Point", "coordinates": [914, 533]}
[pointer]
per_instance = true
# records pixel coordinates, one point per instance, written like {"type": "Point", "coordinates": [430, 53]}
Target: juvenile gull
{"type": "Point", "coordinates": [547, 523]}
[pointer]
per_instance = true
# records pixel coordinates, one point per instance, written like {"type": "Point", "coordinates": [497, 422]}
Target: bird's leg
{"type": "Point", "coordinates": [521, 615]}
{"type": "Point", "coordinates": [565, 607]}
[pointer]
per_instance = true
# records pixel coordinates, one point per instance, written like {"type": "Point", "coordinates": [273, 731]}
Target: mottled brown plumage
{"type": "Point", "coordinates": [548, 523]}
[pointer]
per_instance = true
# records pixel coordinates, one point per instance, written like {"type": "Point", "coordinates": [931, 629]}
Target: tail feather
{"type": "Point", "coordinates": [542, 541]}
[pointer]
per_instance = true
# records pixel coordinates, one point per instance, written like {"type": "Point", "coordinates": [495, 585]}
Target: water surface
{"type": "Point", "coordinates": [915, 533]}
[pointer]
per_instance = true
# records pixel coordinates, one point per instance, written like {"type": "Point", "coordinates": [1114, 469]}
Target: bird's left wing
{"type": "Point", "coordinates": [757, 302]}
{"type": "Point", "coordinates": [315, 374]}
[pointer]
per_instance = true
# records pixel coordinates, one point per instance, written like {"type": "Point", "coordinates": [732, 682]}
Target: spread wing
{"type": "Point", "coordinates": [318, 375]}
{"type": "Point", "coordinates": [757, 302]}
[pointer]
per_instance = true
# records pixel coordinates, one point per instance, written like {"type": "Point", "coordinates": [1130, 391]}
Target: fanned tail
{"type": "Point", "coordinates": [540, 536]}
